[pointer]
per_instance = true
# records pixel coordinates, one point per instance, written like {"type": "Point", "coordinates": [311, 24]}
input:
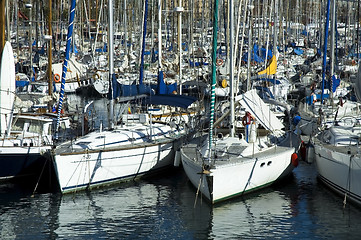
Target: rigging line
{"type": "Point", "coordinates": [141, 162]}
{"type": "Point", "coordinates": [250, 176]}
{"type": "Point", "coordinates": [348, 187]}
{"type": "Point", "coordinates": [41, 173]}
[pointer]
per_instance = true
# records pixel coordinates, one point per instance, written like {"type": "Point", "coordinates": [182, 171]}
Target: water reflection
{"type": "Point", "coordinates": [163, 208]}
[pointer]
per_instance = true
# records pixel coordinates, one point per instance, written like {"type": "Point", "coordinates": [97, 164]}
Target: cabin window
{"type": "Point", "coordinates": [18, 126]}
{"type": "Point", "coordinates": [35, 127]}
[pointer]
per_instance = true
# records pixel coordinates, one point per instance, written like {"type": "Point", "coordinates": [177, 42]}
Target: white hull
{"type": "Point", "coordinates": [87, 170]}
{"type": "Point", "coordinates": [340, 171]}
{"type": "Point", "coordinates": [239, 175]}
{"type": "Point", "coordinates": [102, 158]}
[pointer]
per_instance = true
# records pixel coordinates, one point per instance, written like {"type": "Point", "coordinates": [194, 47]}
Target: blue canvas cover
{"type": "Point", "coordinates": [170, 100]}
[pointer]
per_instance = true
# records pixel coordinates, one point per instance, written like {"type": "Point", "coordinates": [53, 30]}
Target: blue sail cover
{"type": "Point", "coordinates": [161, 87]}
{"type": "Point", "coordinates": [334, 82]}
{"type": "Point", "coordinates": [123, 90]}
{"type": "Point", "coordinates": [170, 100]}
{"type": "Point", "coordinates": [254, 55]}
{"type": "Point", "coordinates": [298, 51]}
{"type": "Point", "coordinates": [304, 32]}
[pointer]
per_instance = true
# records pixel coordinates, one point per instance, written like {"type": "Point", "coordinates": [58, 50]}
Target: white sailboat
{"type": "Point", "coordinates": [338, 160]}
{"type": "Point", "coordinates": [24, 136]}
{"type": "Point", "coordinates": [138, 145]}
{"type": "Point", "coordinates": [230, 166]}
{"type": "Point", "coordinates": [235, 166]}
{"type": "Point", "coordinates": [337, 151]}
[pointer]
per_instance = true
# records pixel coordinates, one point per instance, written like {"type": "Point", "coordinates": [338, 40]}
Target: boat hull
{"type": "Point", "coordinates": [340, 171]}
{"type": "Point", "coordinates": [89, 169]}
{"type": "Point", "coordinates": [20, 162]}
{"type": "Point", "coordinates": [225, 181]}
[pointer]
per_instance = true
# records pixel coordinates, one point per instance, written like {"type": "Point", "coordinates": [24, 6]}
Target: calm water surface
{"type": "Point", "coordinates": [163, 208]}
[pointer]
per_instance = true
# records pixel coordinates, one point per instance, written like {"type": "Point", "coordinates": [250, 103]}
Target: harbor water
{"type": "Point", "coordinates": [166, 207]}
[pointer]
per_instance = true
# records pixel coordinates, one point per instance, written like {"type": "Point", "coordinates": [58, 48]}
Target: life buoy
{"type": "Point", "coordinates": [219, 61]}
{"type": "Point", "coordinates": [246, 120]}
{"type": "Point", "coordinates": [57, 78]}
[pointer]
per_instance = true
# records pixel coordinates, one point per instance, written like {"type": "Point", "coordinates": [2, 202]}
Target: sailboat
{"type": "Point", "coordinates": [338, 160]}
{"type": "Point", "coordinates": [327, 106]}
{"type": "Point", "coordinates": [230, 166]}
{"type": "Point", "coordinates": [138, 145]}
{"type": "Point", "coordinates": [24, 136]}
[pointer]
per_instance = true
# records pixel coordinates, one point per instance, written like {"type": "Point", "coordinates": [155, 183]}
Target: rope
{"type": "Point", "coordinates": [250, 176]}
{"type": "Point", "coordinates": [41, 173]}
{"type": "Point", "coordinates": [199, 186]}
{"type": "Point", "coordinates": [348, 182]}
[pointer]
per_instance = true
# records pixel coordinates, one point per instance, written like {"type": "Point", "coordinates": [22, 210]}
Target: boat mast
{"type": "Point", "coordinates": [325, 50]}
{"type": "Point", "coordinates": [2, 26]}
{"type": "Point", "coordinates": [214, 73]}
{"type": "Point", "coordinates": [50, 56]}
{"type": "Point", "coordinates": [231, 65]}
{"type": "Point", "coordinates": [30, 7]}
{"type": "Point", "coordinates": [144, 31]}
{"type": "Point", "coordinates": [333, 32]}
{"type": "Point", "coordinates": [67, 54]}
{"type": "Point", "coordinates": [249, 58]}
{"type": "Point", "coordinates": [179, 10]}
{"type": "Point", "coordinates": [275, 26]}
{"type": "Point", "coordinates": [7, 10]}
{"type": "Point", "coordinates": [159, 35]}
{"type": "Point", "coordinates": [125, 28]}
{"type": "Point", "coordinates": [111, 63]}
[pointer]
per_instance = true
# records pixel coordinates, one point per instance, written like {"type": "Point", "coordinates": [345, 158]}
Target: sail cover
{"type": "Point", "coordinates": [261, 111]}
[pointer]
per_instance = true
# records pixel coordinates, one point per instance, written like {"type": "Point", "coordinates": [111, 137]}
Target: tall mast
{"type": "Point", "coordinates": [50, 56]}
{"type": "Point", "coordinates": [333, 32]}
{"type": "Point", "coordinates": [2, 26]}
{"type": "Point", "coordinates": [125, 27]}
{"type": "Point", "coordinates": [179, 10]}
{"type": "Point", "coordinates": [111, 62]}
{"type": "Point", "coordinates": [159, 35]}
{"type": "Point", "coordinates": [231, 65]}
{"type": "Point", "coordinates": [7, 10]}
{"type": "Point", "coordinates": [250, 7]}
{"type": "Point", "coordinates": [30, 6]}
{"type": "Point", "coordinates": [214, 73]}
{"type": "Point", "coordinates": [275, 26]}
{"type": "Point", "coordinates": [67, 54]}
{"type": "Point", "coordinates": [144, 31]}
{"type": "Point", "coordinates": [325, 50]}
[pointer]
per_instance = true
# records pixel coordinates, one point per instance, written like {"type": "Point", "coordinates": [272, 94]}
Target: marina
{"type": "Point", "coordinates": [158, 119]}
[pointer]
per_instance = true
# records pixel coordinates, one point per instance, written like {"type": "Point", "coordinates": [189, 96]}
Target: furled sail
{"type": "Point", "coordinates": [271, 68]}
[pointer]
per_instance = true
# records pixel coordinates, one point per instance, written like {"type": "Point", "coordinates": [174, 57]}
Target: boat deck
{"type": "Point", "coordinates": [234, 153]}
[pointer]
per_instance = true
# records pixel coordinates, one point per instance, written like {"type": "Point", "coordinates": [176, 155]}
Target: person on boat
{"type": "Point", "coordinates": [249, 123]}
{"type": "Point", "coordinates": [313, 99]}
